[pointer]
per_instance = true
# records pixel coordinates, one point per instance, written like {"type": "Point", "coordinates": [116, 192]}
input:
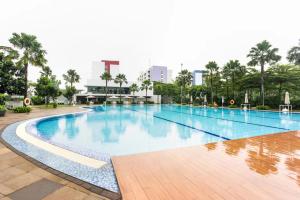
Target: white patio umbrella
{"type": "Point", "coordinates": [287, 98]}
{"type": "Point", "coordinates": [246, 98]}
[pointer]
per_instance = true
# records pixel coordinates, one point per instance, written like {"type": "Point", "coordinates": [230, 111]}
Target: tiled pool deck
{"type": "Point", "coordinates": [28, 179]}
{"type": "Point", "coordinates": [263, 167]}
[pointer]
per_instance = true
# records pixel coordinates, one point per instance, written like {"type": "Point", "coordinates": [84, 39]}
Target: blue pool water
{"type": "Point", "coordinates": [122, 130]}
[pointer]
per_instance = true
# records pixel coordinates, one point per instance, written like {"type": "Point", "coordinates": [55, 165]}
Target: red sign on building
{"type": "Point", "coordinates": [108, 63]}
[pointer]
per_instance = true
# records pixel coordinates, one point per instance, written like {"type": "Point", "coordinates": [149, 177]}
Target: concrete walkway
{"type": "Point", "coordinates": [21, 179]}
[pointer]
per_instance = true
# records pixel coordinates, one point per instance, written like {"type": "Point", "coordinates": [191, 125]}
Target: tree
{"type": "Point", "coordinates": [184, 79]}
{"type": "Point", "coordinates": [107, 77]}
{"type": "Point", "coordinates": [294, 55]}
{"type": "Point", "coordinates": [11, 76]}
{"type": "Point", "coordinates": [234, 69]}
{"type": "Point", "coordinates": [134, 88]}
{"type": "Point", "coordinates": [263, 54]}
{"type": "Point", "coordinates": [69, 93]}
{"type": "Point", "coordinates": [47, 85]}
{"type": "Point", "coordinates": [70, 77]}
{"type": "Point", "coordinates": [146, 85]}
{"type": "Point", "coordinates": [213, 68]}
{"type": "Point", "coordinates": [120, 79]}
{"type": "Point", "coordinates": [32, 53]}
{"type": "Point", "coordinates": [284, 77]}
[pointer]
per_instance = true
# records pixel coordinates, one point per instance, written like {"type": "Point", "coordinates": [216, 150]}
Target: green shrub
{"type": "Point", "coordinates": [22, 109]}
{"type": "Point", "coordinates": [37, 100]}
{"type": "Point", "coordinates": [261, 107]}
{"type": "Point", "coordinates": [2, 108]}
{"type": "Point", "coordinates": [54, 105]}
{"type": "Point", "coordinates": [2, 99]}
{"type": "Point", "coordinates": [232, 106]}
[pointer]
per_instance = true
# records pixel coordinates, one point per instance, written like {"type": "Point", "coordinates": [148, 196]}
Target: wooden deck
{"type": "Point", "coordinates": [264, 167]}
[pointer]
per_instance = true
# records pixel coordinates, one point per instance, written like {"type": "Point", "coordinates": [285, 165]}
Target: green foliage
{"type": "Point", "coordinates": [47, 86]}
{"type": "Point", "coordinates": [294, 55]}
{"type": "Point", "coordinates": [37, 100]}
{"type": "Point", "coordinates": [263, 54]}
{"type": "Point", "coordinates": [214, 78]}
{"type": "Point", "coordinates": [71, 77]}
{"type": "Point", "coordinates": [262, 107]}
{"type": "Point", "coordinates": [69, 92]}
{"type": "Point", "coordinates": [54, 105]}
{"type": "Point", "coordinates": [232, 106]}
{"type": "Point", "coordinates": [32, 53]}
{"type": "Point", "coordinates": [11, 76]}
{"type": "Point", "coordinates": [22, 109]}
{"type": "Point", "coordinates": [2, 99]}
{"type": "Point", "coordinates": [146, 85]}
{"type": "Point", "coordinates": [2, 108]}
{"type": "Point", "coordinates": [134, 88]}
{"type": "Point", "coordinates": [120, 79]}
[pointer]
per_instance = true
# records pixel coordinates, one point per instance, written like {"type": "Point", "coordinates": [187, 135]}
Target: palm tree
{"type": "Point", "coordinates": [32, 53]}
{"type": "Point", "coordinates": [213, 69]}
{"type": "Point", "coordinates": [146, 85]}
{"type": "Point", "coordinates": [134, 88]}
{"type": "Point", "coordinates": [107, 77]}
{"type": "Point", "coordinates": [294, 55]}
{"type": "Point", "coordinates": [71, 77]}
{"type": "Point", "coordinates": [263, 54]}
{"type": "Point", "coordinates": [120, 79]}
{"type": "Point", "coordinates": [184, 79]}
{"type": "Point", "coordinates": [235, 70]}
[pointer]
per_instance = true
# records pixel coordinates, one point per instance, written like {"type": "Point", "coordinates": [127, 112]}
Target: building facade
{"type": "Point", "coordinates": [198, 77]}
{"type": "Point", "coordinates": [96, 86]}
{"type": "Point", "coordinates": [156, 73]}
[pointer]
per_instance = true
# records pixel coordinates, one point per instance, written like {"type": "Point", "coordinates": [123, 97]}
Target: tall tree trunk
{"type": "Point", "coordinates": [227, 92]}
{"type": "Point", "coordinates": [146, 95]}
{"type": "Point", "coordinates": [26, 79]}
{"type": "Point", "coordinates": [120, 94]}
{"type": "Point", "coordinates": [106, 90]}
{"type": "Point", "coordinates": [233, 82]}
{"type": "Point", "coordinates": [279, 92]}
{"type": "Point", "coordinates": [211, 88]}
{"type": "Point", "coordinates": [262, 92]}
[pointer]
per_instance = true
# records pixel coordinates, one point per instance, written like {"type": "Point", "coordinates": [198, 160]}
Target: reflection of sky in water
{"type": "Point", "coordinates": [133, 129]}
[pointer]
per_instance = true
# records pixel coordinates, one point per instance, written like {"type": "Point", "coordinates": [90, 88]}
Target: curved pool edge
{"type": "Point", "coordinates": [110, 189]}
{"type": "Point", "coordinates": [70, 155]}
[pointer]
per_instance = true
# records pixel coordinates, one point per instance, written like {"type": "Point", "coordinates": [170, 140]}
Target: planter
{"type": "Point", "coordinates": [2, 113]}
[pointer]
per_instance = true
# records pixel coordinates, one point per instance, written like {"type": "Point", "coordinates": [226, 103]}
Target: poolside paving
{"type": "Point", "coordinates": [263, 167]}
{"type": "Point", "coordinates": [18, 176]}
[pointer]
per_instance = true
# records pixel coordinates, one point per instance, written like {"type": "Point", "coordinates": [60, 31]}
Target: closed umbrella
{"type": "Point", "coordinates": [205, 99]}
{"type": "Point", "coordinates": [287, 98]}
{"type": "Point", "coordinates": [246, 98]}
{"type": "Point", "coordinates": [222, 100]}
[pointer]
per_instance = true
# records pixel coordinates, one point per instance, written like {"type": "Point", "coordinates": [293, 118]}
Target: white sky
{"type": "Point", "coordinates": [157, 32]}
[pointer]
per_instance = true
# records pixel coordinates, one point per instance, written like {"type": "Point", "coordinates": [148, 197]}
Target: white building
{"type": "Point", "coordinates": [96, 86]}
{"type": "Point", "coordinates": [156, 73]}
{"type": "Point", "coordinates": [198, 77]}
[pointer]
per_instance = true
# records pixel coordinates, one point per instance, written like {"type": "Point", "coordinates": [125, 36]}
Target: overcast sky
{"type": "Point", "coordinates": [157, 32]}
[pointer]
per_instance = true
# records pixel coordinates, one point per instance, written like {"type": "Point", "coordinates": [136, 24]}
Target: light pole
{"type": "Point", "coordinates": [181, 85]}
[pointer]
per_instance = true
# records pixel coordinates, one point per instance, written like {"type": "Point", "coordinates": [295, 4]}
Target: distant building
{"type": "Point", "coordinates": [156, 73]}
{"type": "Point", "coordinates": [198, 77]}
{"type": "Point", "coordinates": [96, 86]}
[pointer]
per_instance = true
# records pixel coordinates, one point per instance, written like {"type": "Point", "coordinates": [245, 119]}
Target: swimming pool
{"type": "Point", "coordinates": [123, 130]}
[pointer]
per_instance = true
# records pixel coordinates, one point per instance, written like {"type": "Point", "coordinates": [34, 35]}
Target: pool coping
{"type": "Point", "coordinates": [90, 187]}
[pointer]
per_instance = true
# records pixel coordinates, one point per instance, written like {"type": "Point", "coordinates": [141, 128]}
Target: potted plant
{"type": "Point", "coordinates": [2, 111]}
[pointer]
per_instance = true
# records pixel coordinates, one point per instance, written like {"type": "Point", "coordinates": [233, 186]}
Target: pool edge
{"type": "Point", "coordinates": [90, 187]}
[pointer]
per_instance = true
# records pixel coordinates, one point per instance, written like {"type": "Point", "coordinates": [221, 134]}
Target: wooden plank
{"type": "Point", "coordinates": [263, 167]}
